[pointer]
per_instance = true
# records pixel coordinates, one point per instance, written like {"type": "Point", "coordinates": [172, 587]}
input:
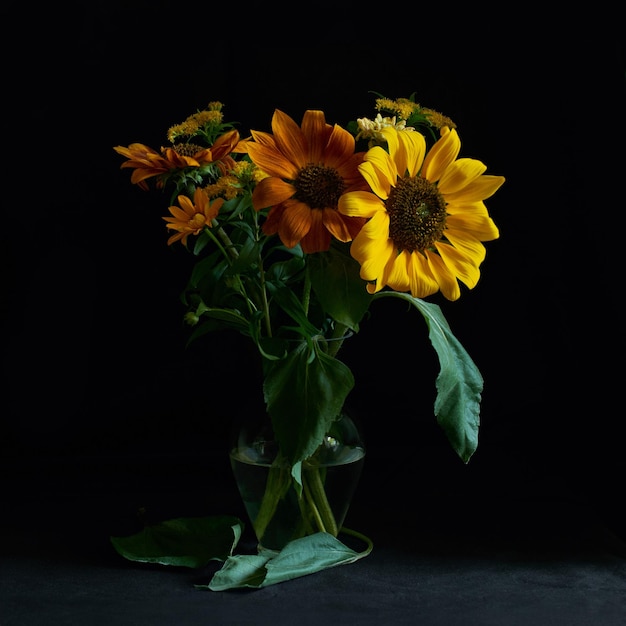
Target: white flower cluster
{"type": "Point", "coordinates": [370, 129]}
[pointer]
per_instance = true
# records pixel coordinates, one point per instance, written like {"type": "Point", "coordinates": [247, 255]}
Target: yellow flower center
{"type": "Point", "coordinates": [197, 222]}
{"type": "Point", "coordinates": [417, 214]}
{"type": "Point", "coordinates": [319, 186]}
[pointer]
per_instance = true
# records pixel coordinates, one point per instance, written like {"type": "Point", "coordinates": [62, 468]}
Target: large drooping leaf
{"type": "Point", "coordinates": [185, 542]}
{"type": "Point", "coordinates": [459, 383]}
{"type": "Point", "coordinates": [304, 394]}
{"type": "Point", "coordinates": [298, 558]}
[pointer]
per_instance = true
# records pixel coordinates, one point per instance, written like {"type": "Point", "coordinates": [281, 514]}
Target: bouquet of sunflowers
{"type": "Point", "coordinates": [298, 231]}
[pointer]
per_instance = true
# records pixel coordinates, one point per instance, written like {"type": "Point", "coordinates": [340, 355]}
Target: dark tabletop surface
{"type": "Point", "coordinates": [536, 556]}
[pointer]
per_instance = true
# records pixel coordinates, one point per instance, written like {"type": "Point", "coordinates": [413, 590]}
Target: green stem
{"type": "Point", "coordinates": [369, 544]}
{"type": "Point", "coordinates": [308, 509]}
{"type": "Point", "coordinates": [338, 337]}
{"type": "Point", "coordinates": [314, 486]}
{"type": "Point", "coordinates": [223, 238]}
{"type": "Point", "coordinates": [265, 302]}
{"type": "Point", "coordinates": [278, 482]}
{"type": "Point", "coordinates": [230, 253]}
{"type": "Point", "coordinates": [306, 290]}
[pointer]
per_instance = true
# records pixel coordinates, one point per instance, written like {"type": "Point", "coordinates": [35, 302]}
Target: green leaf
{"type": "Point", "coordinates": [185, 542]}
{"type": "Point", "coordinates": [338, 286]}
{"type": "Point", "coordinates": [288, 301]}
{"type": "Point", "coordinates": [300, 557]}
{"type": "Point", "coordinates": [459, 383]}
{"type": "Point", "coordinates": [280, 272]}
{"type": "Point", "coordinates": [304, 394]}
{"type": "Point", "coordinates": [227, 317]}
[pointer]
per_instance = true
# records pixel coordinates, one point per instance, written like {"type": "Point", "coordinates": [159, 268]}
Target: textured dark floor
{"type": "Point", "coordinates": [535, 560]}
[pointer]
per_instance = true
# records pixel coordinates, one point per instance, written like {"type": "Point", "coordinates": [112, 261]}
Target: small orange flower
{"type": "Point", "coordinates": [191, 217]}
{"type": "Point", "coordinates": [146, 162]}
{"type": "Point", "coordinates": [149, 163]}
{"type": "Point", "coordinates": [309, 167]}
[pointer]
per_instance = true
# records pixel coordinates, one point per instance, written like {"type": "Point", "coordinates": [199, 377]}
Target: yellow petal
{"type": "Point", "coordinates": [480, 189]}
{"type": "Point", "coordinates": [459, 174]}
{"type": "Point", "coordinates": [459, 264]}
{"type": "Point", "coordinates": [475, 225]}
{"type": "Point", "coordinates": [468, 244]}
{"type": "Point", "coordinates": [377, 227]}
{"type": "Point", "coordinates": [397, 275]}
{"type": "Point", "coordinates": [447, 281]}
{"type": "Point", "coordinates": [441, 155]}
{"type": "Point", "coordinates": [379, 171]}
{"type": "Point", "coordinates": [414, 148]}
{"type": "Point", "coordinates": [372, 246]}
{"type": "Point", "coordinates": [374, 267]}
{"type": "Point", "coordinates": [359, 204]}
{"type": "Point", "coordinates": [420, 276]}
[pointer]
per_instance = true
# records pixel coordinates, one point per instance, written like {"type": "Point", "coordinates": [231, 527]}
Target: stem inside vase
{"type": "Point", "coordinates": [278, 510]}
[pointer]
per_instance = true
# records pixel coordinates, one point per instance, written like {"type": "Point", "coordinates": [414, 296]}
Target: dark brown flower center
{"type": "Point", "coordinates": [319, 186]}
{"type": "Point", "coordinates": [417, 214]}
{"type": "Point", "coordinates": [187, 149]}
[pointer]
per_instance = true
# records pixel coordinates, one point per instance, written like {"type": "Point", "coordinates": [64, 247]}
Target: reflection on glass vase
{"type": "Point", "coordinates": [279, 510]}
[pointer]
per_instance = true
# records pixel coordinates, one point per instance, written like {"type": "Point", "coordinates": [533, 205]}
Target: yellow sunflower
{"type": "Point", "coordinates": [191, 217]}
{"type": "Point", "coordinates": [309, 167]}
{"type": "Point", "coordinates": [426, 215]}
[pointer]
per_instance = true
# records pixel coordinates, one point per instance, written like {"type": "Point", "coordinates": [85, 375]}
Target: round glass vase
{"type": "Point", "coordinates": [279, 510]}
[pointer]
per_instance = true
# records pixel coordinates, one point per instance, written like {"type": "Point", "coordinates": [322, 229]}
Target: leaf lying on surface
{"type": "Point", "coordinates": [185, 542]}
{"type": "Point", "coordinates": [298, 558]}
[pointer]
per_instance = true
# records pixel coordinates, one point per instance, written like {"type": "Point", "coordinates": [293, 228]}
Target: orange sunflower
{"type": "Point", "coordinates": [308, 169]}
{"type": "Point", "coordinates": [148, 163]}
{"type": "Point", "coordinates": [426, 215]}
{"type": "Point", "coordinates": [191, 217]}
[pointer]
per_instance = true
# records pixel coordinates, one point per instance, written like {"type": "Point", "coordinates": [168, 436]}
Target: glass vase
{"type": "Point", "coordinates": [278, 508]}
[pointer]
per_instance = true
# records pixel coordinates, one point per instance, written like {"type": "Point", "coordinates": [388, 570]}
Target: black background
{"type": "Point", "coordinates": [101, 395]}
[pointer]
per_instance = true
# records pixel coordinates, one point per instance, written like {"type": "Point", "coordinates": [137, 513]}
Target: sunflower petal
{"type": "Point", "coordinates": [339, 149]}
{"type": "Point", "coordinates": [332, 221]}
{"type": "Point", "coordinates": [482, 227]}
{"type": "Point", "coordinates": [459, 264]}
{"type": "Point", "coordinates": [459, 174]}
{"type": "Point", "coordinates": [379, 171]}
{"type": "Point", "coordinates": [372, 246]}
{"type": "Point", "coordinates": [397, 275]}
{"type": "Point", "coordinates": [271, 161]}
{"type": "Point", "coordinates": [480, 189]}
{"type": "Point", "coordinates": [374, 267]}
{"type": "Point", "coordinates": [448, 283]}
{"type": "Point", "coordinates": [421, 280]}
{"type": "Point", "coordinates": [290, 139]}
{"type": "Point", "coordinates": [271, 191]}
{"type": "Point", "coordinates": [317, 238]}
{"type": "Point", "coordinates": [360, 204]}
{"type": "Point", "coordinates": [441, 155]}
{"type": "Point", "coordinates": [468, 245]}
{"type": "Point", "coordinates": [295, 223]}
{"type": "Point", "coordinates": [377, 227]}
{"type": "Point", "coordinates": [413, 150]}
{"type": "Point", "coordinates": [316, 132]}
